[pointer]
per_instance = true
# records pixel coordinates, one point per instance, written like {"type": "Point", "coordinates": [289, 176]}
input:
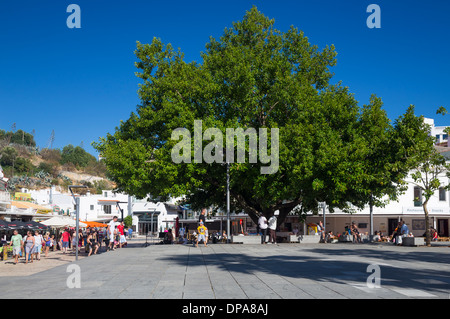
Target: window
{"type": "Point", "coordinates": [442, 194]}
{"type": "Point", "coordinates": [107, 209]}
{"type": "Point", "coordinates": [92, 207]}
{"type": "Point", "coordinates": [445, 137]}
{"type": "Point", "coordinates": [417, 196]}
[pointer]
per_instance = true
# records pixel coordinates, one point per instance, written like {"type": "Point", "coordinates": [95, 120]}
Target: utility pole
{"type": "Point", "coordinates": [77, 214]}
{"type": "Point", "coordinates": [228, 204]}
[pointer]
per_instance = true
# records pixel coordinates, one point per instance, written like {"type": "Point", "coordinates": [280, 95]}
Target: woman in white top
{"type": "Point", "coordinates": [38, 240]}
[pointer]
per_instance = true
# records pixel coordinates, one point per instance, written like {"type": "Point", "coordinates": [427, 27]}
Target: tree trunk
{"type": "Point", "coordinates": [427, 224]}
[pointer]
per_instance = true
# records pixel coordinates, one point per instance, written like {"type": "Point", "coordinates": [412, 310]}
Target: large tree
{"type": "Point", "coordinates": [253, 77]}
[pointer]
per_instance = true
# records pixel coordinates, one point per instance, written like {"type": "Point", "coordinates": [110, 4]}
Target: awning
{"type": "Point", "coordinates": [93, 224]}
{"type": "Point", "coordinates": [146, 216]}
{"type": "Point", "coordinates": [173, 207]}
{"type": "Point", "coordinates": [108, 201]}
{"type": "Point", "coordinates": [27, 205]}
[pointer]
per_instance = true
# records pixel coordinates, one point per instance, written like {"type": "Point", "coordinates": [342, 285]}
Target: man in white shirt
{"type": "Point", "coordinates": [262, 223]}
{"type": "Point", "coordinates": [111, 229]}
{"type": "Point", "coordinates": [272, 229]}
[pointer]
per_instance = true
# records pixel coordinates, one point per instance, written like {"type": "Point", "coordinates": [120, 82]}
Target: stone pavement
{"type": "Point", "coordinates": [221, 271]}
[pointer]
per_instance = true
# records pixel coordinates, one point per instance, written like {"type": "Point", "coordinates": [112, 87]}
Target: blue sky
{"type": "Point", "coordinates": [81, 82]}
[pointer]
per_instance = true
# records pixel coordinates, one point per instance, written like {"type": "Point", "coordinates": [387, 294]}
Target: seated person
{"type": "Point", "coordinates": [376, 236]}
{"type": "Point", "coordinates": [434, 234]}
{"type": "Point", "coordinates": [168, 237]}
{"type": "Point", "coordinates": [355, 233]}
{"type": "Point", "coordinates": [329, 237]}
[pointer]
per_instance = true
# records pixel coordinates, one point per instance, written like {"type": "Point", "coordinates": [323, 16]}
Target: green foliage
{"type": "Point", "coordinates": [441, 110]}
{"type": "Point", "coordinates": [8, 156]}
{"type": "Point", "coordinates": [128, 221]}
{"type": "Point", "coordinates": [100, 185]}
{"type": "Point", "coordinates": [76, 155]}
{"type": "Point", "coordinates": [18, 137]}
{"type": "Point", "coordinates": [23, 165]}
{"type": "Point", "coordinates": [51, 155]}
{"type": "Point", "coordinates": [14, 164]}
{"type": "Point", "coordinates": [47, 168]}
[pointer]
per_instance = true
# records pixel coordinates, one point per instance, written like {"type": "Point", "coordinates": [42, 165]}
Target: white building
{"type": "Point", "coordinates": [103, 207]}
{"type": "Point", "coordinates": [438, 132]}
{"type": "Point", "coordinates": [385, 219]}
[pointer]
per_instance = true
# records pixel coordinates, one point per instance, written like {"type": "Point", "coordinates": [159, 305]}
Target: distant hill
{"type": "Point", "coordinates": [26, 165]}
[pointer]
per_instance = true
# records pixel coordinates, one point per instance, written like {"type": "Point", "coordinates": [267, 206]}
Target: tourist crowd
{"type": "Point", "coordinates": [92, 239]}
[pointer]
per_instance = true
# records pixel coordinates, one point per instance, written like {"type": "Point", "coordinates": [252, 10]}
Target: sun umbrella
{"type": "Point", "coordinates": [35, 225]}
{"type": "Point", "coordinates": [4, 225]}
{"type": "Point", "coordinates": [17, 224]}
{"type": "Point", "coordinates": [61, 221]}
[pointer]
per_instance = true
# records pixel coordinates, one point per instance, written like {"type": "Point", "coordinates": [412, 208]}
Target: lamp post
{"type": "Point", "coordinates": [228, 204]}
{"type": "Point", "coordinates": [324, 206]}
{"type": "Point", "coordinates": [371, 218]}
{"type": "Point", "coordinates": [77, 214]}
{"type": "Point", "coordinates": [121, 209]}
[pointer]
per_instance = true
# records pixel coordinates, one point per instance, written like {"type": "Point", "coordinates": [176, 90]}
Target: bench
{"type": "Point", "coordinates": [247, 239]}
{"type": "Point", "coordinates": [413, 241]}
{"type": "Point", "coordinates": [309, 239]}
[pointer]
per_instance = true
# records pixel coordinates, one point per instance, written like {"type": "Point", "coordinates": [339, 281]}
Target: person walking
{"type": "Point", "coordinates": [38, 240]}
{"type": "Point", "coordinates": [91, 243]}
{"type": "Point", "coordinates": [65, 240]}
{"type": "Point", "coordinates": [201, 234]}
{"type": "Point", "coordinates": [95, 242]}
{"type": "Point", "coordinates": [321, 232]}
{"type": "Point", "coordinates": [262, 223]}
{"type": "Point", "coordinates": [53, 243]}
{"type": "Point", "coordinates": [272, 229]}
{"type": "Point", "coordinates": [111, 231]}
{"type": "Point", "coordinates": [29, 245]}
{"type": "Point", "coordinates": [17, 245]}
{"type": "Point", "coordinates": [122, 239]}
{"type": "Point", "coordinates": [47, 241]}
{"type": "Point", "coordinates": [202, 217]}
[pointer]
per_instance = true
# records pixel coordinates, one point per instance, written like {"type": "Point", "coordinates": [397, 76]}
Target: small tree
{"type": "Point", "coordinates": [128, 221]}
{"type": "Point", "coordinates": [426, 177]}
{"type": "Point", "coordinates": [427, 165]}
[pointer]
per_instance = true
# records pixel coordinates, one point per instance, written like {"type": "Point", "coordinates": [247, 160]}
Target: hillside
{"type": "Point", "coordinates": [31, 167]}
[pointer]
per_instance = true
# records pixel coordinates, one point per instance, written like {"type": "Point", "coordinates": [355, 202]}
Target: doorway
{"type": "Point", "coordinates": [392, 224]}
{"type": "Point", "coordinates": [442, 227]}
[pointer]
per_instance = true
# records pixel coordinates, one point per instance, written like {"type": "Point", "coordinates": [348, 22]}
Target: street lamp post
{"type": "Point", "coordinates": [324, 206]}
{"type": "Point", "coordinates": [371, 218]}
{"type": "Point", "coordinates": [77, 214]}
{"type": "Point", "coordinates": [228, 204]}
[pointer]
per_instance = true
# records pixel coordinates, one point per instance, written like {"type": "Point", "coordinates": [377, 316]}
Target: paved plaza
{"type": "Point", "coordinates": [222, 271]}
